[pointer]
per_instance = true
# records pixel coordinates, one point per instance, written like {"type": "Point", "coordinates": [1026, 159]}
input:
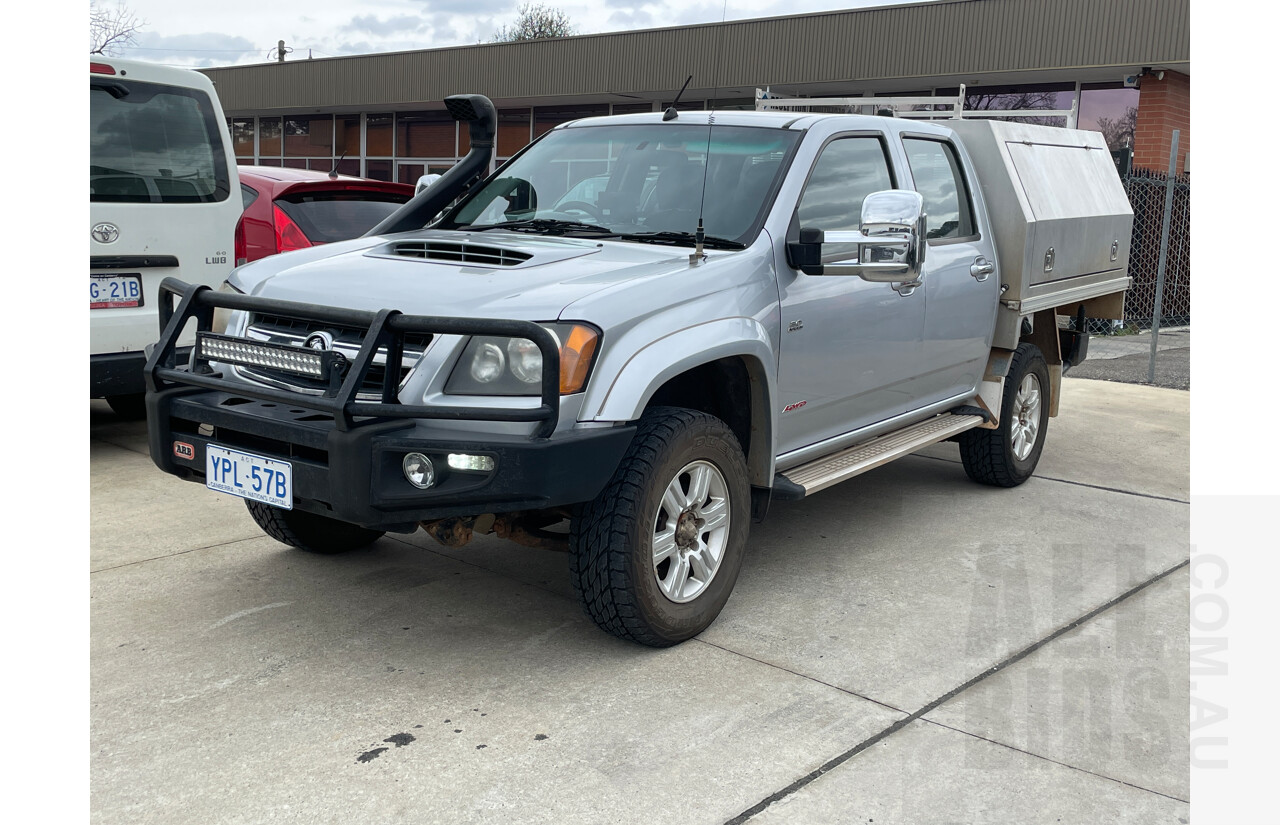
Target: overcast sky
{"type": "Point", "coordinates": [225, 32]}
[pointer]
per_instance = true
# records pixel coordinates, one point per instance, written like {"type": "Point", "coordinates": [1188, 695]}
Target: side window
{"type": "Point", "coordinates": [248, 194]}
{"type": "Point", "coordinates": [941, 183]}
{"type": "Point", "coordinates": [846, 172]}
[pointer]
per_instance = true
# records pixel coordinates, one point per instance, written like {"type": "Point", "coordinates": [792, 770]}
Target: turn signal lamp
{"type": "Point", "coordinates": [575, 358]}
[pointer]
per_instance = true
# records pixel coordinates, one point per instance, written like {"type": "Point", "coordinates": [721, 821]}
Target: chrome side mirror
{"type": "Point", "coordinates": [889, 246]}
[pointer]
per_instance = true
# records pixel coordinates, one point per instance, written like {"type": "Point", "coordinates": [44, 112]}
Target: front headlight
{"type": "Point", "coordinates": [513, 366]}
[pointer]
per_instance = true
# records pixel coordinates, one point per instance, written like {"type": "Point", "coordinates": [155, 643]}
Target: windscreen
{"type": "Point", "coordinates": [325, 217]}
{"type": "Point", "coordinates": [639, 178]}
{"type": "Point", "coordinates": [152, 143]}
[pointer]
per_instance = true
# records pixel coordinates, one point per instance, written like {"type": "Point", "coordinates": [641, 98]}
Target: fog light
{"type": "Point", "coordinates": [418, 470]}
{"type": "Point", "coordinates": [473, 463]}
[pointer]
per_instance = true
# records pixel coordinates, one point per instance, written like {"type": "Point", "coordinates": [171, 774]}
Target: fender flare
{"type": "Point", "coordinates": [656, 363]}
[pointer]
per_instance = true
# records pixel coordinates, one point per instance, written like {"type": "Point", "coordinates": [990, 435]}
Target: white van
{"type": "Point", "coordinates": [164, 199]}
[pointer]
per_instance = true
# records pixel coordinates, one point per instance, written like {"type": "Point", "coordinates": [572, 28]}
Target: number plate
{"type": "Point", "coordinates": [249, 476]}
{"type": "Point", "coordinates": [112, 291]}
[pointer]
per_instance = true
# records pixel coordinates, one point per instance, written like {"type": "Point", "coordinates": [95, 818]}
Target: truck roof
{"type": "Point", "coordinates": [767, 120]}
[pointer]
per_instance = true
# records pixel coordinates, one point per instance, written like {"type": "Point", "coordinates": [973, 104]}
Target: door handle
{"type": "Point", "coordinates": [982, 268]}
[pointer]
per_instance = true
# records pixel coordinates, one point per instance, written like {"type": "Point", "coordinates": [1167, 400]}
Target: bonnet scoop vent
{"type": "Point", "coordinates": [459, 253]}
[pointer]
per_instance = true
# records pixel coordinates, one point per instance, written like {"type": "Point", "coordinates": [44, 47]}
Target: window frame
{"type": "Point", "coordinates": [881, 137]}
{"type": "Point", "coordinates": [957, 167]}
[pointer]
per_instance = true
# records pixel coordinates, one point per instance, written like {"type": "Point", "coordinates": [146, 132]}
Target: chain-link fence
{"type": "Point", "coordinates": [1117, 347]}
{"type": "Point", "coordinates": [1146, 191]}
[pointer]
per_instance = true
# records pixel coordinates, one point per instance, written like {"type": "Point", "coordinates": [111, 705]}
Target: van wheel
{"type": "Point", "coordinates": [655, 556]}
{"type": "Point", "coordinates": [132, 407]}
{"type": "Point", "coordinates": [1007, 455]}
{"type": "Point", "coordinates": [307, 531]}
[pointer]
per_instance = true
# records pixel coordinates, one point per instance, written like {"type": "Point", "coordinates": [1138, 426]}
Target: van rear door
{"type": "Point", "coordinates": [163, 198]}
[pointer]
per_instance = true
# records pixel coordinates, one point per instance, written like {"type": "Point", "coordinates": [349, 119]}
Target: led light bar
{"type": "Point", "coordinates": [284, 357]}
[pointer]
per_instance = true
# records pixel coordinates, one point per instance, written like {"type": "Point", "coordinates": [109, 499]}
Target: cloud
{"type": "Point", "coordinates": [204, 49]}
{"type": "Point", "coordinates": [475, 7]}
{"type": "Point", "coordinates": [391, 26]}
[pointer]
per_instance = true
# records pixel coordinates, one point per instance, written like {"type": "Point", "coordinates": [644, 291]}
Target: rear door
{"type": "Point", "coordinates": [163, 195]}
{"type": "Point", "coordinates": [960, 279]}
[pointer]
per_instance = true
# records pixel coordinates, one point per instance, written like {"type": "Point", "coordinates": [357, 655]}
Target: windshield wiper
{"type": "Point", "coordinates": [681, 239]}
{"type": "Point", "coordinates": [551, 226]}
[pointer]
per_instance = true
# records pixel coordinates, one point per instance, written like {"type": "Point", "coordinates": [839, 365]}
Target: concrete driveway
{"type": "Point", "coordinates": [907, 647]}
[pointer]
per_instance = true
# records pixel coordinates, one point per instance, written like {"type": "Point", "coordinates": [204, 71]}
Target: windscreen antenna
{"type": "Point", "coordinates": [700, 235]}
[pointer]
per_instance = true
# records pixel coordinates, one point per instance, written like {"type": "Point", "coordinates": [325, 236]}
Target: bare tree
{"type": "Point", "coordinates": [1119, 131]}
{"type": "Point", "coordinates": [535, 21]}
{"type": "Point", "coordinates": [112, 28]}
{"type": "Point", "coordinates": [988, 101]}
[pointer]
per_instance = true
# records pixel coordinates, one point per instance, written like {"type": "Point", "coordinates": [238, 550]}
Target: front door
{"type": "Point", "coordinates": [850, 349]}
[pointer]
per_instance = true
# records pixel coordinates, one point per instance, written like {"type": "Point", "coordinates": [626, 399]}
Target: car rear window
{"type": "Point", "coordinates": [325, 217]}
{"type": "Point", "coordinates": [152, 143]}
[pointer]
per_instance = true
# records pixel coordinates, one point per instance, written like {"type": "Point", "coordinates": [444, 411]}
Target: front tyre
{"type": "Point", "coordinates": [307, 531]}
{"type": "Point", "coordinates": [655, 556]}
{"type": "Point", "coordinates": [1007, 455]}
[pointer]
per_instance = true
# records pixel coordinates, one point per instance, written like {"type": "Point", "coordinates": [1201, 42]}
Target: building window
{"type": "Point", "coordinates": [379, 131]}
{"type": "Point", "coordinates": [632, 108]}
{"type": "Point", "coordinates": [1050, 96]}
{"type": "Point", "coordinates": [513, 131]}
{"type": "Point", "coordinates": [410, 172]}
{"type": "Point", "coordinates": [308, 136]}
{"type": "Point", "coordinates": [346, 136]}
{"type": "Point", "coordinates": [546, 118]}
{"type": "Point", "coordinates": [377, 169]}
{"type": "Point", "coordinates": [242, 136]}
{"type": "Point", "coordinates": [269, 137]}
{"type": "Point", "coordinates": [425, 135]}
{"type": "Point", "coordinates": [1111, 109]}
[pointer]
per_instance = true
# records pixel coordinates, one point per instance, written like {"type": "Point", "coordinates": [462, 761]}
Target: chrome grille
{"type": "Point", "coordinates": [279, 329]}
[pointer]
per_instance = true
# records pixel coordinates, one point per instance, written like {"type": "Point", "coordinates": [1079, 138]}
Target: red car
{"type": "Point", "coordinates": [286, 209]}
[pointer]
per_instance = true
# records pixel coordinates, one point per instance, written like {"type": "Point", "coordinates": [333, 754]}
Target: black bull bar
{"type": "Point", "coordinates": [181, 302]}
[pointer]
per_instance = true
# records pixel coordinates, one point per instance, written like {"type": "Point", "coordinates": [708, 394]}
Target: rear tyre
{"type": "Point", "coordinates": [655, 556]}
{"type": "Point", "coordinates": [1007, 455]}
{"type": "Point", "coordinates": [307, 531]}
{"type": "Point", "coordinates": [132, 407]}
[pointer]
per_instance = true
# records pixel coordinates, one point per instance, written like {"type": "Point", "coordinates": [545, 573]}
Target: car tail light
{"type": "Point", "coordinates": [242, 245]}
{"type": "Point", "coordinates": [101, 68]}
{"type": "Point", "coordinates": [288, 235]}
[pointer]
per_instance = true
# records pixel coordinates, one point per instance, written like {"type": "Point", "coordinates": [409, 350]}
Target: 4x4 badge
{"type": "Point", "coordinates": [104, 232]}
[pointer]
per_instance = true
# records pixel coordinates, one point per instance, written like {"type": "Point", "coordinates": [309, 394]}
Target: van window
{"type": "Point", "coordinates": [151, 143]}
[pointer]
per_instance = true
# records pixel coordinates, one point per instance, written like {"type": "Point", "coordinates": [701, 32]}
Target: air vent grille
{"type": "Point", "coordinates": [462, 253]}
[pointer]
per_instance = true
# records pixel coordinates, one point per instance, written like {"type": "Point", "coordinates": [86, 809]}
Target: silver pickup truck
{"type": "Point", "coordinates": [634, 335]}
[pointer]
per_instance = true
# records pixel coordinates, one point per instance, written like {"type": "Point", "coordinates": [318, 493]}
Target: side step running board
{"type": "Point", "coordinates": [821, 473]}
